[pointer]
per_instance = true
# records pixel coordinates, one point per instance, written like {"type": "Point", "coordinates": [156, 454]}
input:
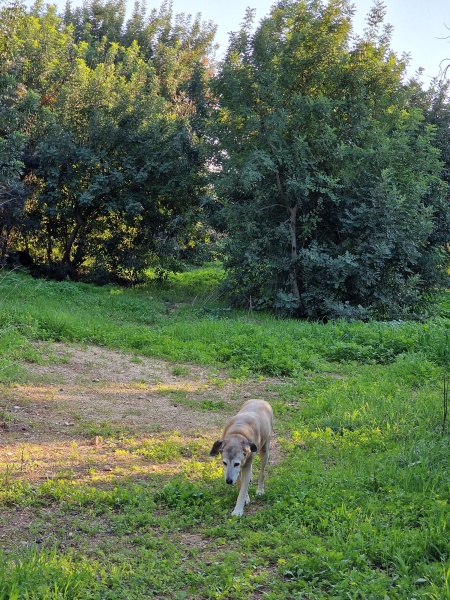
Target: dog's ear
{"type": "Point", "coordinates": [253, 447]}
{"type": "Point", "coordinates": [217, 447]}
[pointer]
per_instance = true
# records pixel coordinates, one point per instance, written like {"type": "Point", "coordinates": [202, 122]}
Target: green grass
{"type": "Point", "coordinates": [358, 506]}
{"type": "Point", "coordinates": [202, 332]}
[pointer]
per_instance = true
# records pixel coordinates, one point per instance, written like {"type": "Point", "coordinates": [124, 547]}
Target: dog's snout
{"type": "Point", "coordinates": [229, 480]}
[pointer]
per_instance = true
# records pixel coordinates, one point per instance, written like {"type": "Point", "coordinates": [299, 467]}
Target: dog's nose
{"type": "Point", "coordinates": [229, 480]}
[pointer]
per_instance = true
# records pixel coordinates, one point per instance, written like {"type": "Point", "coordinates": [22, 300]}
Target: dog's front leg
{"type": "Point", "coordinates": [243, 497]}
{"type": "Point", "coordinates": [264, 455]}
{"type": "Point", "coordinates": [239, 484]}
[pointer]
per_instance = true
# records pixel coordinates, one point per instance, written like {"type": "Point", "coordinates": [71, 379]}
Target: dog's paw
{"type": "Point", "coordinates": [247, 500]}
{"type": "Point", "coordinates": [260, 492]}
{"type": "Point", "coordinates": [237, 513]}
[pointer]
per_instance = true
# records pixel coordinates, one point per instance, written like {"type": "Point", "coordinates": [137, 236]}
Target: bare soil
{"type": "Point", "coordinates": [81, 417]}
{"type": "Point", "coordinates": [66, 422]}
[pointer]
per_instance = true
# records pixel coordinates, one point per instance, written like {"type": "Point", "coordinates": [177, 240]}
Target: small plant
{"type": "Point", "coordinates": [213, 405]}
{"type": "Point", "coordinates": [6, 418]}
{"type": "Point", "coordinates": [180, 371]}
{"type": "Point", "coordinates": [445, 406]}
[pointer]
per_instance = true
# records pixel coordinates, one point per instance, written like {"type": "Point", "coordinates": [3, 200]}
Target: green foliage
{"type": "Point", "coordinates": [168, 449]}
{"type": "Point", "coordinates": [181, 320]}
{"type": "Point", "coordinates": [335, 205]}
{"type": "Point", "coordinates": [108, 148]}
{"type": "Point", "coordinates": [333, 195]}
{"type": "Point", "coordinates": [15, 115]}
{"type": "Point", "coordinates": [434, 102]}
{"type": "Point", "coordinates": [356, 505]}
{"type": "Point", "coordinates": [45, 575]}
{"type": "Point", "coordinates": [329, 179]}
{"type": "Point", "coordinates": [196, 286]}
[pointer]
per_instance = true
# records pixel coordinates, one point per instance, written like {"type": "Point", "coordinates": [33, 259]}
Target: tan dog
{"type": "Point", "coordinates": [245, 434]}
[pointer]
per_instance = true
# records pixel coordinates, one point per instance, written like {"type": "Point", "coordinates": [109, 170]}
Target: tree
{"type": "Point", "coordinates": [434, 102]}
{"type": "Point", "coordinates": [12, 190]}
{"type": "Point", "coordinates": [118, 166]}
{"type": "Point", "coordinates": [328, 176]}
{"type": "Point", "coordinates": [17, 111]}
{"type": "Point", "coordinates": [176, 44]}
{"type": "Point", "coordinates": [113, 145]}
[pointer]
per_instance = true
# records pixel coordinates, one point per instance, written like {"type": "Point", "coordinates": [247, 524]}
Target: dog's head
{"type": "Point", "coordinates": [235, 452]}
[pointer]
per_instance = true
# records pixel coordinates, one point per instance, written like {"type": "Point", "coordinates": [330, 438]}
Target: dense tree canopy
{"type": "Point", "coordinates": [105, 132]}
{"type": "Point", "coordinates": [330, 181]}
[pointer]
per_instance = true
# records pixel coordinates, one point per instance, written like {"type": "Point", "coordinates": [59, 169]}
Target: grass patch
{"type": "Point", "coordinates": [357, 504]}
{"type": "Point", "coordinates": [137, 320]}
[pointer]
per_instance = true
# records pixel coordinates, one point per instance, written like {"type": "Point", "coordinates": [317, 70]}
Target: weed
{"type": "Point", "coordinates": [214, 405]}
{"type": "Point", "coordinates": [180, 371]}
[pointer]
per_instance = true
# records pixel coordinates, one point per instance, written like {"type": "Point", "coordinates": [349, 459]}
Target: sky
{"type": "Point", "coordinates": [418, 25]}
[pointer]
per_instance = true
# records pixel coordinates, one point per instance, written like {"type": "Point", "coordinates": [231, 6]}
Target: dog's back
{"type": "Point", "coordinates": [254, 421]}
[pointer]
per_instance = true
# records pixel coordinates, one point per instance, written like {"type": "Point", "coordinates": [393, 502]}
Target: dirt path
{"type": "Point", "coordinates": [82, 403]}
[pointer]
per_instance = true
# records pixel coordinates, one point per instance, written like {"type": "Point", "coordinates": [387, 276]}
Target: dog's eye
{"type": "Point", "coordinates": [236, 464]}
{"type": "Point", "coordinates": [224, 462]}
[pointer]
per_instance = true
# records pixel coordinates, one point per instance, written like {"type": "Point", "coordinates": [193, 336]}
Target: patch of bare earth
{"type": "Point", "coordinates": [84, 415]}
{"type": "Point", "coordinates": [71, 419]}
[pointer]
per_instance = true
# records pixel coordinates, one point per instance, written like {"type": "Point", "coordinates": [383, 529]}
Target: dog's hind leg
{"type": "Point", "coordinates": [264, 455]}
{"type": "Point", "coordinates": [243, 498]}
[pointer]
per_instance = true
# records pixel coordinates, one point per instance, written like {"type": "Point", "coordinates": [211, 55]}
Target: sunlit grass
{"type": "Point", "coordinates": [138, 321]}
{"type": "Point", "coordinates": [101, 459]}
{"type": "Point", "coordinates": [357, 500]}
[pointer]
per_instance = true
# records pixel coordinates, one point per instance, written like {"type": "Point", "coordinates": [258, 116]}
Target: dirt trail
{"type": "Point", "coordinates": [77, 406]}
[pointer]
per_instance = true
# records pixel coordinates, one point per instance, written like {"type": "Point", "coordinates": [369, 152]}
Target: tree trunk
{"type": "Point", "coordinates": [71, 240]}
{"type": "Point", "coordinates": [293, 271]}
{"type": "Point", "coordinates": [49, 247]}
{"type": "Point", "coordinates": [4, 246]}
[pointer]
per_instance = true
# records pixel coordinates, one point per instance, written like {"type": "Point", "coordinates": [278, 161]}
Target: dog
{"type": "Point", "coordinates": [245, 434]}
